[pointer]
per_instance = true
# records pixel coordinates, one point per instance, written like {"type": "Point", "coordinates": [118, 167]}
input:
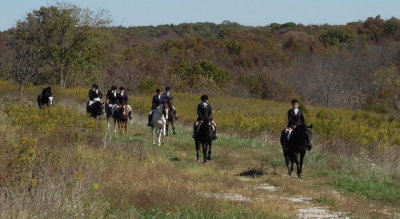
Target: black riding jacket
{"type": "Point", "coordinates": [111, 98]}
{"type": "Point", "coordinates": [157, 101]}
{"type": "Point", "coordinates": [204, 112]}
{"type": "Point", "coordinates": [295, 119]}
{"type": "Point", "coordinates": [122, 98]}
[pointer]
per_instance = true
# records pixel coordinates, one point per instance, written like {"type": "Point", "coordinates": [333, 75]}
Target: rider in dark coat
{"type": "Point", "coordinates": [295, 118]}
{"type": "Point", "coordinates": [122, 98]}
{"type": "Point", "coordinates": [46, 92]}
{"type": "Point", "coordinates": [111, 100]}
{"type": "Point", "coordinates": [111, 97]}
{"type": "Point", "coordinates": [168, 99]}
{"type": "Point", "coordinates": [204, 114]}
{"type": "Point", "coordinates": [157, 100]}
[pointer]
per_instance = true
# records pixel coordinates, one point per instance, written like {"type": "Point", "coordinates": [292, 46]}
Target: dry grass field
{"type": "Point", "coordinates": [58, 163]}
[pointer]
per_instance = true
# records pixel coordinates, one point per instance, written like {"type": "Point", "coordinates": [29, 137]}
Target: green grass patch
{"type": "Point", "coordinates": [369, 187]}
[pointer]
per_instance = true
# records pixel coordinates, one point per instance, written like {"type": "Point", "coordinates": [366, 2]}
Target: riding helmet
{"type": "Point", "coordinates": [167, 88]}
{"type": "Point", "coordinates": [158, 90]}
{"type": "Point", "coordinates": [204, 97]}
{"type": "Point", "coordinates": [295, 101]}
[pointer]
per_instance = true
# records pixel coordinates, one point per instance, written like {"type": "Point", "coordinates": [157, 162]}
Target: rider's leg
{"type": "Point", "coordinates": [195, 129]}
{"type": "Point", "coordinates": [214, 125]}
{"type": "Point", "coordinates": [130, 111]}
{"type": "Point", "coordinates": [149, 118]}
{"type": "Point", "coordinates": [309, 145]}
{"type": "Point", "coordinates": [174, 110]}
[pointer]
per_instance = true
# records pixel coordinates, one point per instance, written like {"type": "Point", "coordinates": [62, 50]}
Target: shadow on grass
{"type": "Point", "coordinates": [252, 173]}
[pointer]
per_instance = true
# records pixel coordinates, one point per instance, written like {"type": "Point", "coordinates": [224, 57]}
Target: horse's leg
{"type": "Point", "coordinates": [125, 124]}
{"type": "Point", "coordinates": [296, 159]}
{"type": "Point", "coordinates": [287, 161]}
{"type": "Point", "coordinates": [292, 158]}
{"type": "Point", "coordinates": [167, 128]}
{"type": "Point", "coordinates": [115, 125]}
{"type": "Point", "coordinates": [173, 126]}
{"type": "Point", "coordinates": [302, 154]}
{"type": "Point", "coordinates": [209, 150]}
{"type": "Point", "coordinates": [159, 134]}
{"type": "Point", "coordinates": [204, 145]}
{"type": "Point", "coordinates": [196, 142]}
{"type": "Point", "coordinates": [153, 135]}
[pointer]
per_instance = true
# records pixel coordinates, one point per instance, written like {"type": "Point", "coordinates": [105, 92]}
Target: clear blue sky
{"type": "Point", "coordinates": [246, 12]}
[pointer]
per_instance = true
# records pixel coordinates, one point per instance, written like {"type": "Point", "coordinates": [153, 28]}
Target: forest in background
{"type": "Point", "coordinates": [356, 65]}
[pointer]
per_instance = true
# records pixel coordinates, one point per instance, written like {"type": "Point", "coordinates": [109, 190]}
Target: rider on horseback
{"type": "Point", "coordinates": [94, 96]}
{"type": "Point", "coordinates": [111, 100]}
{"type": "Point", "coordinates": [158, 100]}
{"type": "Point", "coordinates": [168, 99]}
{"type": "Point", "coordinates": [295, 118]}
{"type": "Point", "coordinates": [204, 112]}
{"type": "Point", "coordinates": [122, 98]}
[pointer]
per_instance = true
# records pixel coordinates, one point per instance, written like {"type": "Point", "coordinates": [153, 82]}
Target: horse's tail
{"type": "Point", "coordinates": [39, 99]}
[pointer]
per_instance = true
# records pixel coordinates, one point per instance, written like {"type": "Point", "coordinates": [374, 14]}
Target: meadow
{"type": "Point", "coordinates": [57, 162]}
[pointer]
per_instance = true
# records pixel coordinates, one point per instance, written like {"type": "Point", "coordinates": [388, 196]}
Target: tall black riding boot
{"type": "Point", "coordinates": [149, 121]}
{"type": "Point", "coordinates": [194, 131]}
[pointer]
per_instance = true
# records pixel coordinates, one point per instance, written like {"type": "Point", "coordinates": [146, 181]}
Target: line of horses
{"type": "Point", "coordinates": [294, 150]}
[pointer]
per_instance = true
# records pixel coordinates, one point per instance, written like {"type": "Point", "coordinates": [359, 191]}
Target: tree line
{"type": "Point", "coordinates": [354, 65]}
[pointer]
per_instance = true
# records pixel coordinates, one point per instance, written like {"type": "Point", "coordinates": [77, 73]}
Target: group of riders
{"type": "Point", "coordinates": [115, 100]}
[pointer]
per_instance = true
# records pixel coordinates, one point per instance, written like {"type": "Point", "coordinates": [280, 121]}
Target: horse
{"type": "Point", "coordinates": [121, 116]}
{"type": "Point", "coordinates": [108, 111]}
{"type": "Point", "coordinates": [159, 122]}
{"type": "Point", "coordinates": [297, 145]}
{"type": "Point", "coordinates": [204, 138]}
{"type": "Point", "coordinates": [44, 100]}
{"type": "Point", "coordinates": [96, 109]}
{"type": "Point", "coordinates": [170, 118]}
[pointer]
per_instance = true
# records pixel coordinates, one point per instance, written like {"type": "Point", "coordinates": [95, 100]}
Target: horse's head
{"type": "Point", "coordinates": [165, 110]}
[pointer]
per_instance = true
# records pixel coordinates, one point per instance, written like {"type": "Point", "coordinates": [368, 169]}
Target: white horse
{"type": "Point", "coordinates": [159, 122]}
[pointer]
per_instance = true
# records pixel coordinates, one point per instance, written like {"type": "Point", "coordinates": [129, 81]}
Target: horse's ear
{"type": "Point", "coordinates": [310, 126]}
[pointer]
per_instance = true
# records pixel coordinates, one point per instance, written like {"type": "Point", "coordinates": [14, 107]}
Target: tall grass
{"type": "Point", "coordinates": [57, 162]}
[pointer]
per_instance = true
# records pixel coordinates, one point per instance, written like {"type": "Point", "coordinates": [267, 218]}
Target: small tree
{"type": "Point", "coordinates": [60, 44]}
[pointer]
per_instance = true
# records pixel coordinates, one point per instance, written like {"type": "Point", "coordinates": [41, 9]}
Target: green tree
{"type": "Point", "coordinates": [68, 44]}
{"type": "Point", "coordinates": [337, 35]}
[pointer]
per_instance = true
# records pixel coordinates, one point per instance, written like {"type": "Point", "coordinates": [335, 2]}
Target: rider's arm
{"type": "Point", "coordinates": [290, 120]}
{"type": "Point", "coordinates": [199, 113]}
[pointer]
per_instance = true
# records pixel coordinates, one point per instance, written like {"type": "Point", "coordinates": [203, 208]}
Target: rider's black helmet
{"type": "Point", "coordinates": [295, 101]}
{"type": "Point", "coordinates": [93, 85]}
{"type": "Point", "coordinates": [96, 86]}
{"type": "Point", "coordinates": [158, 90]}
{"type": "Point", "coordinates": [204, 97]}
{"type": "Point", "coordinates": [167, 88]}
{"type": "Point", "coordinates": [122, 88]}
{"type": "Point", "coordinates": [113, 87]}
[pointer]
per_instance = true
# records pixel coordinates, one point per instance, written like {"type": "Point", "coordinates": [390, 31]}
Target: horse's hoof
{"type": "Point", "coordinates": [174, 133]}
{"type": "Point", "coordinates": [289, 173]}
{"type": "Point", "coordinates": [299, 175]}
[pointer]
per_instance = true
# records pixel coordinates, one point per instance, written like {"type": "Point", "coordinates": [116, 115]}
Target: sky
{"type": "Point", "coordinates": [245, 12]}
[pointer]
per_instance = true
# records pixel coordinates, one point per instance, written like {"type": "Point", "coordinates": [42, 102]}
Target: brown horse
{"type": "Point", "coordinates": [170, 118]}
{"type": "Point", "coordinates": [121, 117]}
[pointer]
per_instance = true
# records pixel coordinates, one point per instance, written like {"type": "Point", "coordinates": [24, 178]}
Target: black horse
{"type": "Point", "coordinates": [96, 109]}
{"type": "Point", "coordinates": [45, 98]}
{"type": "Point", "coordinates": [297, 145]}
{"type": "Point", "coordinates": [204, 138]}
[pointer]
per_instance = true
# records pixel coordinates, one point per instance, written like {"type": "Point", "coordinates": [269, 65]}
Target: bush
{"type": "Point", "coordinates": [147, 86]}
